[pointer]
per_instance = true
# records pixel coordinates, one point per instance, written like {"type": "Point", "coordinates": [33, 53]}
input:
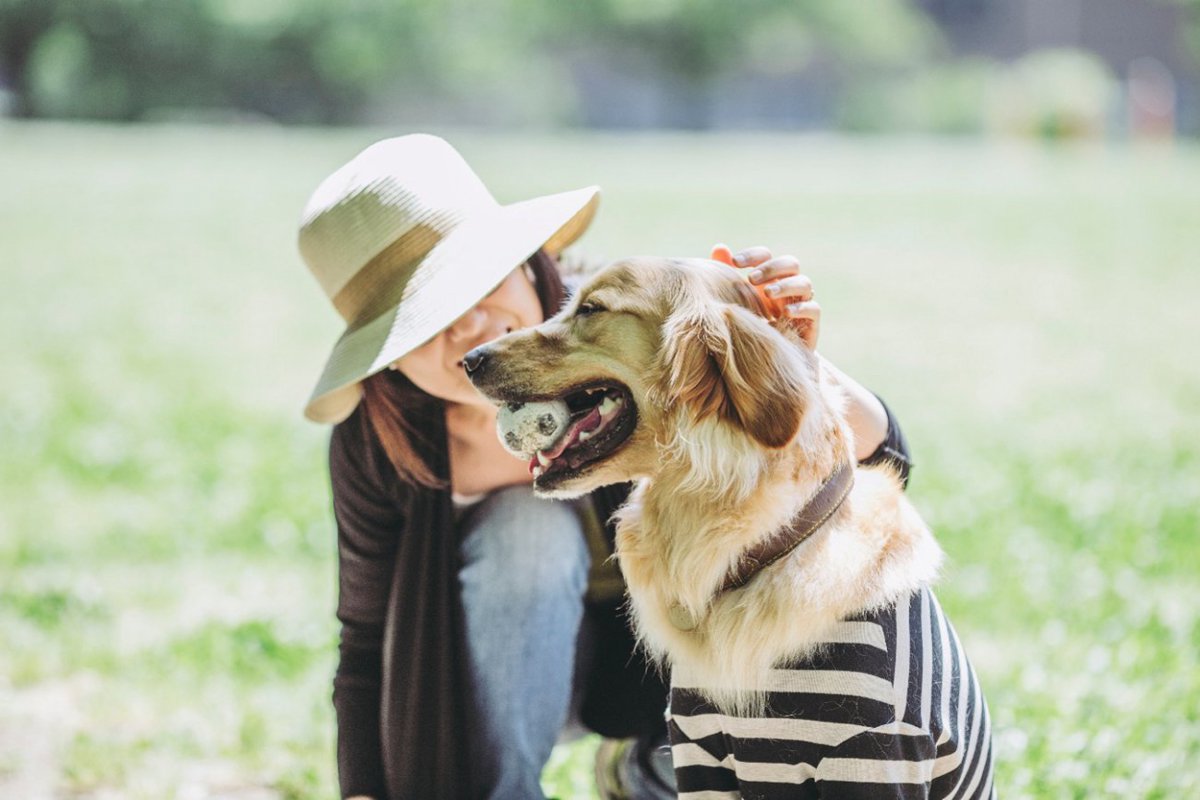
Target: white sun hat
{"type": "Point", "coordinates": [405, 239]}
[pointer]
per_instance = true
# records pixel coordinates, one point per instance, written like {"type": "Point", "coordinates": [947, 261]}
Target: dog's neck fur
{"type": "Point", "coordinates": [682, 531]}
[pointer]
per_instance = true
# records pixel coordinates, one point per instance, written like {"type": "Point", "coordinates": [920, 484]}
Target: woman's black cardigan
{"type": "Point", "coordinates": [406, 720]}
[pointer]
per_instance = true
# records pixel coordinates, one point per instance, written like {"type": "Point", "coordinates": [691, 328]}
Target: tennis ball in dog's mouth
{"type": "Point", "coordinates": [526, 428]}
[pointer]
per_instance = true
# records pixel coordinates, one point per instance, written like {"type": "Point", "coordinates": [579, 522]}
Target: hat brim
{"type": "Point", "coordinates": [466, 266]}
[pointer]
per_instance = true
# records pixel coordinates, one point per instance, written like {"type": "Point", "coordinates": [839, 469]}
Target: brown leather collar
{"type": "Point", "coordinates": [815, 513]}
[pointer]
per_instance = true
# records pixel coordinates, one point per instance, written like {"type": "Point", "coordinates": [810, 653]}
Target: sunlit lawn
{"type": "Point", "coordinates": [167, 578]}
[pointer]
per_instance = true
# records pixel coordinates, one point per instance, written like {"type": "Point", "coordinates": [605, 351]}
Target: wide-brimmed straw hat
{"type": "Point", "coordinates": [404, 240]}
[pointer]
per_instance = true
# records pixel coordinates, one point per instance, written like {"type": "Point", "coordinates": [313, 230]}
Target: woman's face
{"type": "Point", "coordinates": [436, 366]}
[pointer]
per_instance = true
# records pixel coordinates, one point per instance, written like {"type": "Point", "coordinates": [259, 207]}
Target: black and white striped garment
{"type": "Point", "coordinates": [888, 708]}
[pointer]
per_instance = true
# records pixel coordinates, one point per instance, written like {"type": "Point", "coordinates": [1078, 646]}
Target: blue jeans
{"type": "Point", "coordinates": [525, 567]}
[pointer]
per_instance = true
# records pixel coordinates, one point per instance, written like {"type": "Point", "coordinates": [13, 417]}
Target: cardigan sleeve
{"type": "Point", "coordinates": [369, 523]}
{"type": "Point", "coordinates": [893, 449]}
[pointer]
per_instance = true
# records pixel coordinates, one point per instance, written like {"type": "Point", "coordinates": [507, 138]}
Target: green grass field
{"type": "Point", "coordinates": [167, 578]}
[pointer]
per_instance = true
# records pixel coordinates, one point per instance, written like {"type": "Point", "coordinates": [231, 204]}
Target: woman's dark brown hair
{"type": "Point", "coordinates": [403, 416]}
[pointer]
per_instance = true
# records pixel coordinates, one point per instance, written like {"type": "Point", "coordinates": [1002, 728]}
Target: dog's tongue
{"type": "Point", "coordinates": [588, 422]}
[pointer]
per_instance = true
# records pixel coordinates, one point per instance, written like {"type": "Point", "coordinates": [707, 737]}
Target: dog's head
{"type": "Point", "coordinates": [651, 352]}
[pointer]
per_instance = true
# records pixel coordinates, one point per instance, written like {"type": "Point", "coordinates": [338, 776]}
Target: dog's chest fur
{"type": "Point", "coordinates": [874, 550]}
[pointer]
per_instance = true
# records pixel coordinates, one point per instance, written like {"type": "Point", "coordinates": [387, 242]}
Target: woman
{"type": "Point", "coordinates": [477, 620]}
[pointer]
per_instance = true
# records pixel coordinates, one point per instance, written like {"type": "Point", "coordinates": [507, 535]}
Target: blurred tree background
{"type": "Point", "coordinates": [890, 64]}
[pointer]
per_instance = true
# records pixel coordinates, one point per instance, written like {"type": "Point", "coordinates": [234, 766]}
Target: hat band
{"type": "Point", "coordinates": [382, 281]}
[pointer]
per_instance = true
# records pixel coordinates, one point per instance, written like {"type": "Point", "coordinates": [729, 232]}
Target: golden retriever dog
{"type": "Point", "coordinates": [785, 588]}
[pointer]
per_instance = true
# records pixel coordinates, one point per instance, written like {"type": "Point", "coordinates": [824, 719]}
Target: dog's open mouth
{"type": "Point", "coordinates": [602, 418]}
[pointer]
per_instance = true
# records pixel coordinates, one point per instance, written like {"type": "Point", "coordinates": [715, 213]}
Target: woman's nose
{"type": "Point", "coordinates": [469, 325]}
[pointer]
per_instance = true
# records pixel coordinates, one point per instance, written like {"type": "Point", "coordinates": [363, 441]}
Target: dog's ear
{"type": "Point", "coordinates": [693, 376]}
{"type": "Point", "coordinates": [765, 377]}
{"type": "Point", "coordinates": [729, 362]}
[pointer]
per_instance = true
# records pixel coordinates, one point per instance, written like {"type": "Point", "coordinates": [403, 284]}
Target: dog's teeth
{"type": "Point", "coordinates": [607, 406]}
{"type": "Point", "coordinates": [545, 462]}
{"type": "Point", "coordinates": [585, 435]}
{"type": "Point", "coordinates": [537, 472]}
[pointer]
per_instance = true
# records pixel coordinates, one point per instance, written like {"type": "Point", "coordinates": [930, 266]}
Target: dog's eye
{"type": "Point", "coordinates": [588, 308]}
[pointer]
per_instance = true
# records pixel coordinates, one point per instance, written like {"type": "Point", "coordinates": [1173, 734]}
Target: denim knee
{"type": "Point", "coordinates": [520, 549]}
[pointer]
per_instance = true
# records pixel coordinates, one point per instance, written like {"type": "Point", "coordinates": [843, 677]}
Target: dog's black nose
{"type": "Point", "coordinates": [473, 360]}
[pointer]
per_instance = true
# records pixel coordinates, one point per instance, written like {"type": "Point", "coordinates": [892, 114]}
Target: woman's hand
{"type": "Point", "coordinates": [780, 277]}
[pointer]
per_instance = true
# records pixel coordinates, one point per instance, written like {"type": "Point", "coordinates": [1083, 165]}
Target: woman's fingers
{"type": "Point", "coordinates": [808, 316]}
{"type": "Point", "coordinates": [752, 257]}
{"type": "Point", "coordinates": [809, 309]}
{"type": "Point", "coordinates": [769, 267]}
{"type": "Point", "coordinates": [796, 287]}
{"type": "Point", "coordinates": [781, 279]}
{"type": "Point", "coordinates": [775, 268]}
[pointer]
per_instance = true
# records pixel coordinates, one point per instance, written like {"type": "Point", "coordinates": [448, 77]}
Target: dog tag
{"type": "Point", "coordinates": [681, 618]}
